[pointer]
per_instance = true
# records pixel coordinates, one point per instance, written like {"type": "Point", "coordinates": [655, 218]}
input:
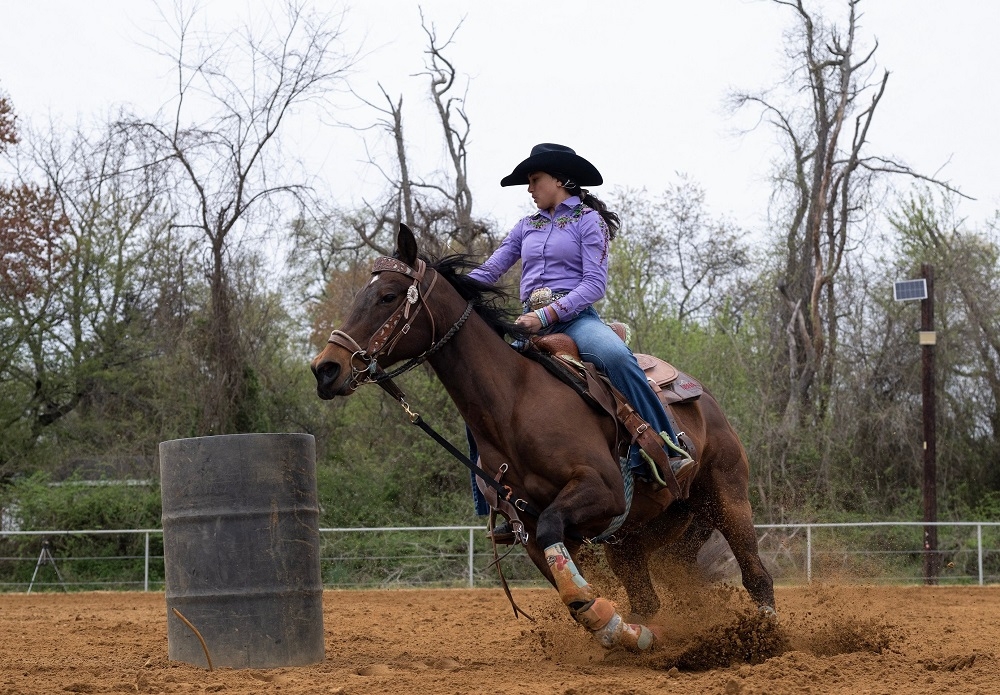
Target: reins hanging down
{"type": "Point", "coordinates": [505, 492]}
{"type": "Point", "coordinates": [384, 340]}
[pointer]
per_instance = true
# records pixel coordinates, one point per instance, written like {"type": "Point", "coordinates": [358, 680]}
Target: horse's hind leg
{"type": "Point", "coordinates": [736, 524]}
{"type": "Point", "coordinates": [629, 560]}
{"type": "Point", "coordinates": [685, 549]}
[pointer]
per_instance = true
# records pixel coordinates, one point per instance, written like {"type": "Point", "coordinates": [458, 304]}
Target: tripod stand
{"type": "Point", "coordinates": [45, 557]}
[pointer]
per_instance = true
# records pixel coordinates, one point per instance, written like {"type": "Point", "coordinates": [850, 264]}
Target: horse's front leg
{"type": "Point", "coordinates": [586, 606]}
{"type": "Point", "coordinates": [735, 521]}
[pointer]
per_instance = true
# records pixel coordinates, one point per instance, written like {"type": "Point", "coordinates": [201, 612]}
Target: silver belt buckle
{"type": "Point", "coordinates": [539, 298]}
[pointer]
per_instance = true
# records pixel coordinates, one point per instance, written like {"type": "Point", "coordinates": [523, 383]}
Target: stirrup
{"type": "Point", "coordinates": [502, 534]}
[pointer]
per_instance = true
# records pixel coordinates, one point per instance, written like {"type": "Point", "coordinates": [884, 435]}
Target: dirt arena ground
{"type": "Point", "coordinates": [829, 639]}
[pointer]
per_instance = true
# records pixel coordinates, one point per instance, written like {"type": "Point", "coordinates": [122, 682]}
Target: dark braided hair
{"type": "Point", "coordinates": [592, 201]}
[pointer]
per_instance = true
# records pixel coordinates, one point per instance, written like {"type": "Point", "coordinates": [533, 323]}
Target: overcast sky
{"type": "Point", "coordinates": [638, 88]}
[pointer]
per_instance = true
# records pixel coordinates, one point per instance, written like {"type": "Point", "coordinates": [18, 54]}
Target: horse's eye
{"type": "Point", "coordinates": [387, 298]}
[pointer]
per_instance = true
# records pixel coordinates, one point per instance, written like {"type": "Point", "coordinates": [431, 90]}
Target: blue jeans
{"type": "Point", "coordinates": [602, 346]}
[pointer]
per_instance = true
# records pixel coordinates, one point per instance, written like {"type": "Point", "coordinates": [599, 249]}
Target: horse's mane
{"type": "Point", "coordinates": [491, 302]}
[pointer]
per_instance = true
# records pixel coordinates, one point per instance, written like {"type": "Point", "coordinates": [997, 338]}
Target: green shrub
{"type": "Point", "coordinates": [75, 505]}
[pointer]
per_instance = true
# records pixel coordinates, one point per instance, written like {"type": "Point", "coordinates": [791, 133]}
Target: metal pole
{"type": "Point", "coordinates": [809, 555]}
{"type": "Point", "coordinates": [979, 547]}
{"type": "Point", "coordinates": [41, 560]}
{"type": "Point", "coordinates": [145, 581]}
{"type": "Point", "coordinates": [472, 548]}
{"type": "Point", "coordinates": [930, 444]}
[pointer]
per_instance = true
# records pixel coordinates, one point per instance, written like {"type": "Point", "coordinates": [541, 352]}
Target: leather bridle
{"type": "Point", "coordinates": [384, 340]}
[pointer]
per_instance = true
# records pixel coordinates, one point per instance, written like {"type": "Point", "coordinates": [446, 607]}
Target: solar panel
{"type": "Point", "coordinates": [905, 290]}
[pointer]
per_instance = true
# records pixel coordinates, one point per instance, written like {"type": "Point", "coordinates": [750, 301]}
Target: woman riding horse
{"type": "Point", "coordinates": [563, 249]}
{"type": "Point", "coordinates": [553, 453]}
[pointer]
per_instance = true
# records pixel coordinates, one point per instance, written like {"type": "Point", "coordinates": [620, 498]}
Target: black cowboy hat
{"type": "Point", "coordinates": [554, 159]}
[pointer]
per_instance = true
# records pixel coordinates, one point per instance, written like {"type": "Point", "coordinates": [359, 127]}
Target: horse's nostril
{"type": "Point", "coordinates": [326, 372]}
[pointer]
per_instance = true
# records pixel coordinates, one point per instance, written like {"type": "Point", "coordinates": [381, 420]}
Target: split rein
{"type": "Point", "coordinates": [384, 340]}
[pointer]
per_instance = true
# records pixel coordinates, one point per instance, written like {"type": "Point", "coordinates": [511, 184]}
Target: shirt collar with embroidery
{"type": "Point", "coordinates": [567, 204]}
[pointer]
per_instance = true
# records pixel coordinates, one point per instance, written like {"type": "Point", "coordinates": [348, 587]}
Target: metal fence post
{"type": "Point", "coordinates": [809, 554]}
{"type": "Point", "coordinates": [145, 580]}
{"type": "Point", "coordinates": [979, 548]}
{"type": "Point", "coordinates": [472, 549]}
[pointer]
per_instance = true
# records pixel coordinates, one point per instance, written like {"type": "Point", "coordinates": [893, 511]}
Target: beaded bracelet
{"type": "Point", "coordinates": [543, 316]}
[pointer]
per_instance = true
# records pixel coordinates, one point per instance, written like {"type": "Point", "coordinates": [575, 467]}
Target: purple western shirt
{"type": "Point", "coordinates": [566, 252]}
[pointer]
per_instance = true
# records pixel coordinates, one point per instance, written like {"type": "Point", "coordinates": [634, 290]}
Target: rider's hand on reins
{"type": "Point", "coordinates": [529, 322]}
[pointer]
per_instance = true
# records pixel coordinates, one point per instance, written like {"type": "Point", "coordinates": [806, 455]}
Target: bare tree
{"type": "Point", "coordinates": [375, 224]}
{"type": "Point", "coordinates": [827, 181]}
{"type": "Point", "coordinates": [230, 173]}
{"type": "Point", "coordinates": [437, 205]}
{"type": "Point", "coordinates": [455, 130]}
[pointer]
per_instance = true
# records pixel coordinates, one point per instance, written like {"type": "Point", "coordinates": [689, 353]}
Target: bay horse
{"type": "Point", "coordinates": [554, 451]}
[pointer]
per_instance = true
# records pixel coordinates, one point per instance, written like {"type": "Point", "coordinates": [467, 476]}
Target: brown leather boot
{"type": "Point", "coordinates": [683, 469]}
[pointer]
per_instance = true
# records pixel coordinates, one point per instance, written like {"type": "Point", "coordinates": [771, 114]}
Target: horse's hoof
{"type": "Point", "coordinates": [768, 612]}
{"type": "Point", "coordinates": [618, 633]}
{"type": "Point", "coordinates": [638, 638]}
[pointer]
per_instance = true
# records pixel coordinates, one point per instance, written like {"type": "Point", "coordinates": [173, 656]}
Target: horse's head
{"type": "Point", "coordinates": [381, 326]}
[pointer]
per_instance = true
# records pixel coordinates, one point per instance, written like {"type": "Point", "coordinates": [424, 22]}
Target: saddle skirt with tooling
{"type": "Point", "coordinates": [669, 383]}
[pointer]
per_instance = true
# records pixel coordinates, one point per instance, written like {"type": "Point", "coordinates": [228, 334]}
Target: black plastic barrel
{"type": "Point", "coordinates": [241, 550]}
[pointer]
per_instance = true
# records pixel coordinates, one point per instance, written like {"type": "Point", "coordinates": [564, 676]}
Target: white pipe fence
{"type": "Point", "coordinates": [978, 525]}
{"type": "Point", "coordinates": [413, 556]}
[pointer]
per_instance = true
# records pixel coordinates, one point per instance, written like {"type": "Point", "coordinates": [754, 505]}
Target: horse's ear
{"type": "Point", "coordinates": [406, 246]}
